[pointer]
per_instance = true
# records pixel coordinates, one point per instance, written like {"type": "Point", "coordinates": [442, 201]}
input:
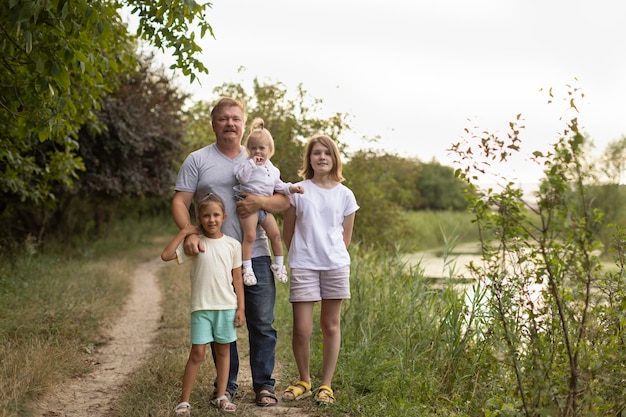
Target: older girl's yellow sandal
{"type": "Point", "coordinates": [301, 390]}
{"type": "Point", "coordinates": [325, 395]}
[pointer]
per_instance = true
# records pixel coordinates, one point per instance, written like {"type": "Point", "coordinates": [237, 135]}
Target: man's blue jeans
{"type": "Point", "coordinates": [260, 300]}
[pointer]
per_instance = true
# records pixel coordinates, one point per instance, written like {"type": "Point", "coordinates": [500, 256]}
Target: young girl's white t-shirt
{"type": "Point", "coordinates": [317, 242]}
{"type": "Point", "coordinates": [211, 273]}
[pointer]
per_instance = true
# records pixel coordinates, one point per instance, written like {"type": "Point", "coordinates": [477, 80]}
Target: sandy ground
{"type": "Point", "coordinates": [93, 395]}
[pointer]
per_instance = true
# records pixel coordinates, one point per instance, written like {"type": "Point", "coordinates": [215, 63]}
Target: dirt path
{"type": "Point", "coordinates": [92, 395]}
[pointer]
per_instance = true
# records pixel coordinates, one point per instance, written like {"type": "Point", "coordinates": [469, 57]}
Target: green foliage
{"type": "Point", "coordinates": [387, 186]}
{"type": "Point", "coordinates": [132, 154]}
{"type": "Point", "coordinates": [607, 192]}
{"type": "Point", "coordinates": [380, 192]}
{"type": "Point", "coordinates": [59, 58]}
{"type": "Point", "coordinates": [129, 158]}
{"type": "Point", "coordinates": [439, 189]}
{"type": "Point", "coordinates": [555, 314]}
{"type": "Point", "coordinates": [172, 24]}
{"type": "Point", "coordinates": [197, 131]}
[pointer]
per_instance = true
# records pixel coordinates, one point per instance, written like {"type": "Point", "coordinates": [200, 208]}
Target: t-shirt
{"type": "Point", "coordinates": [317, 242]}
{"type": "Point", "coordinates": [207, 170]}
{"type": "Point", "coordinates": [211, 273]}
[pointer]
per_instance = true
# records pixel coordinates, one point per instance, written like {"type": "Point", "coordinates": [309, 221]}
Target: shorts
{"type": "Point", "coordinates": [307, 285]}
{"type": "Point", "coordinates": [213, 326]}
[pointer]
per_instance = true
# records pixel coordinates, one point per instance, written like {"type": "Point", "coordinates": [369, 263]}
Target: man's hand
{"type": "Point", "coordinates": [249, 205]}
{"type": "Point", "coordinates": [193, 245]}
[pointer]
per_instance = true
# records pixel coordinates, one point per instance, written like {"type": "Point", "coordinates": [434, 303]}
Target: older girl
{"type": "Point", "coordinates": [317, 230]}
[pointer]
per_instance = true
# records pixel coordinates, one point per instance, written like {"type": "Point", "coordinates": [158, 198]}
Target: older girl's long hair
{"type": "Point", "coordinates": [306, 172]}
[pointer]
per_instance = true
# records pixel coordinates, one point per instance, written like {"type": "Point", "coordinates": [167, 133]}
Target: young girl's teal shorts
{"type": "Point", "coordinates": [213, 326]}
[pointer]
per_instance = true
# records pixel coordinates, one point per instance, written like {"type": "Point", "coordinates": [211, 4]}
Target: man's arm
{"type": "Point", "coordinates": [180, 211]}
{"type": "Point", "coordinates": [251, 203]}
{"type": "Point", "coordinates": [180, 208]}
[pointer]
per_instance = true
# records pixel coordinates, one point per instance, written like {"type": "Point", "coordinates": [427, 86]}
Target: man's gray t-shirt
{"type": "Point", "coordinates": [206, 171]}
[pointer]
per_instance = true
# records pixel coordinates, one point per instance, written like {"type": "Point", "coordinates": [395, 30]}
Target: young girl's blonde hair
{"type": "Point", "coordinates": [259, 132]}
{"type": "Point", "coordinates": [306, 172]}
{"type": "Point", "coordinates": [211, 198]}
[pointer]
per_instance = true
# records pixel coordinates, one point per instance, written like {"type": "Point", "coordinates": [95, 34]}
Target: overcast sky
{"type": "Point", "coordinates": [414, 72]}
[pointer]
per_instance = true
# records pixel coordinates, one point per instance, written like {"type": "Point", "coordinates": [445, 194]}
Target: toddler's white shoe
{"type": "Point", "coordinates": [280, 272]}
{"type": "Point", "coordinates": [249, 278]}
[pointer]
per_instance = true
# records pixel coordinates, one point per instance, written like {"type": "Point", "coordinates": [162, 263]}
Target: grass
{"type": "Point", "coordinates": [55, 306]}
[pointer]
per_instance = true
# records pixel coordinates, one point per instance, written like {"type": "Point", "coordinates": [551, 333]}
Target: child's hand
{"type": "Point", "coordinates": [296, 189]}
{"type": "Point", "coordinates": [240, 318]}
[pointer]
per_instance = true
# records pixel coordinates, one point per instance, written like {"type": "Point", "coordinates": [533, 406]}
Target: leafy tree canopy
{"type": "Point", "coordinates": [59, 58]}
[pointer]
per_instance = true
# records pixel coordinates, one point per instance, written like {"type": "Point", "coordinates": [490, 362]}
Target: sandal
{"type": "Point", "coordinates": [224, 404]}
{"type": "Point", "coordinates": [263, 394]}
{"type": "Point", "coordinates": [325, 395]}
{"type": "Point", "coordinates": [301, 390]}
{"type": "Point", "coordinates": [182, 408]}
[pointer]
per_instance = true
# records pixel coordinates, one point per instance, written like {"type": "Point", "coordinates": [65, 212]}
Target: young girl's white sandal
{"type": "Point", "coordinates": [224, 404]}
{"type": "Point", "coordinates": [182, 409]}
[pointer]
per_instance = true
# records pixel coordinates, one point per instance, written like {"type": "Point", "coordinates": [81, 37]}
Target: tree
{"type": "Point", "coordinates": [381, 184]}
{"type": "Point", "coordinates": [130, 157]}
{"type": "Point", "coordinates": [59, 58]}
{"type": "Point", "coordinates": [439, 188]}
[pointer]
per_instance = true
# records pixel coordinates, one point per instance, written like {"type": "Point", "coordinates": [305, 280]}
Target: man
{"type": "Point", "coordinates": [211, 170]}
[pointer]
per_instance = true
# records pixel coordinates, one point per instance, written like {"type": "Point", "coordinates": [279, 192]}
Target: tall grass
{"type": "Point", "coordinates": [407, 345]}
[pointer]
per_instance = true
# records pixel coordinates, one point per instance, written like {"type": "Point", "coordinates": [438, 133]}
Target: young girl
{"type": "Point", "coordinates": [317, 229]}
{"type": "Point", "coordinates": [217, 301]}
{"type": "Point", "coordinates": [259, 176]}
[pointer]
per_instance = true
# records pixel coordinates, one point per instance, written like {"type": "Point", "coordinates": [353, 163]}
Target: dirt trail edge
{"type": "Point", "coordinates": [130, 337]}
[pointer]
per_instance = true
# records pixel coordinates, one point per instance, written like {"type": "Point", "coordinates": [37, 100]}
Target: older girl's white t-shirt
{"type": "Point", "coordinates": [317, 242]}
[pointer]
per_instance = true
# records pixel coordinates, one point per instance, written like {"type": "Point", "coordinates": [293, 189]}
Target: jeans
{"type": "Point", "coordinates": [260, 300]}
